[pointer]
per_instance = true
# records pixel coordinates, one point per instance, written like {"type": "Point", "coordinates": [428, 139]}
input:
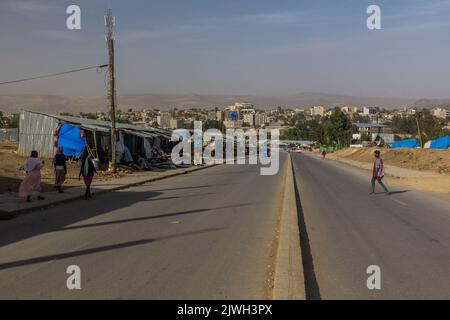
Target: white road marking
{"type": "Point", "coordinates": [400, 202]}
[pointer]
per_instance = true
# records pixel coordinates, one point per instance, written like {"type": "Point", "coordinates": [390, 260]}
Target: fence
{"type": "Point", "coordinates": [9, 134]}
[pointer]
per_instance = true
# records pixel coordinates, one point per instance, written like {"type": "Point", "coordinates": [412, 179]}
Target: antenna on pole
{"type": "Point", "coordinates": [110, 21]}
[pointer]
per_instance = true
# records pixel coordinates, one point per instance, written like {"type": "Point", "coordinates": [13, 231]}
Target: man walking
{"type": "Point", "coordinates": [378, 172]}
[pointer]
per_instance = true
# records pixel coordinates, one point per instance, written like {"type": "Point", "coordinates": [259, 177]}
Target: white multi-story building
{"type": "Point", "coordinates": [441, 113]}
{"type": "Point", "coordinates": [249, 119]}
{"type": "Point", "coordinates": [177, 124]}
{"type": "Point", "coordinates": [233, 124]}
{"type": "Point", "coordinates": [163, 121]}
{"type": "Point", "coordinates": [370, 111]}
{"type": "Point", "coordinates": [349, 109]}
{"type": "Point", "coordinates": [219, 115]}
{"type": "Point", "coordinates": [241, 108]}
{"type": "Point", "coordinates": [317, 111]}
{"type": "Point", "coordinates": [260, 119]}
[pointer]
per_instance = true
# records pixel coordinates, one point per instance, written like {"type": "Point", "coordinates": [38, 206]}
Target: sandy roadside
{"type": "Point", "coordinates": [425, 180]}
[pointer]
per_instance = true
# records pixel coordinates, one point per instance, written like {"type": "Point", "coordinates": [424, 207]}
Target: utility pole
{"type": "Point", "coordinates": [418, 129]}
{"type": "Point", "coordinates": [110, 22]}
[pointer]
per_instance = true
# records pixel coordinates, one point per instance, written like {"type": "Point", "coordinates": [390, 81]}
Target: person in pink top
{"type": "Point", "coordinates": [31, 185]}
{"type": "Point", "coordinates": [378, 172]}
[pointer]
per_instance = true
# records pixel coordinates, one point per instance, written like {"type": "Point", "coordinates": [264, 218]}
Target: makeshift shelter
{"type": "Point", "coordinates": [409, 143]}
{"type": "Point", "coordinates": [441, 143]}
{"type": "Point", "coordinates": [45, 132]}
{"type": "Point", "coordinates": [72, 139]}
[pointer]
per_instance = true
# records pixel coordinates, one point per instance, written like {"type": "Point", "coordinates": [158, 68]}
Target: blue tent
{"type": "Point", "coordinates": [410, 143]}
{"type": "Point", "coordinates": [71, 140]}
{"type": "Point", "coordinates": [441, 143]}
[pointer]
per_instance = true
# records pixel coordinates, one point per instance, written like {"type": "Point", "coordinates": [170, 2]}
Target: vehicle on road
{"type": "Point", "coordinates": [296, 150]}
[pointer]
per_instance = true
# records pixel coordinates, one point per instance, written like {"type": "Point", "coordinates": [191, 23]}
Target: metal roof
{"type": "Point", "coordinates": [105, 126]}
{"type": "Point", "coordinates": [370, 125]}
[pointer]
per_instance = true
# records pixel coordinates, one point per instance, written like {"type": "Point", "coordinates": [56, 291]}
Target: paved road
{"type": "Point", "coordinates": [204, 235]}
{"type": "Point", "coordinates": [406, 234]}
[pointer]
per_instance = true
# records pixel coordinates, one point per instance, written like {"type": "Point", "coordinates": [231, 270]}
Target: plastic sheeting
{"type": "Point", "coordinates": [70, 139]}
{"type": "Point", "coordinates": [410, 143]}
{"type": "Point", "coordinates": [441, 143]}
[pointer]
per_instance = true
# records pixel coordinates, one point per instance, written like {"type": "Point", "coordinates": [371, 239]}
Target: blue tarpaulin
{"type": "Point", "coordinates": [410, 143]}
{"type": "Point", "coordinates": [441, 143]}
{"type": "Point", "coordinates": [70, 138]}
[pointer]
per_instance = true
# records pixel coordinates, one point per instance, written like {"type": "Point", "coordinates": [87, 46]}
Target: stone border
{"type": "Point", "coordinates": [289, 276]}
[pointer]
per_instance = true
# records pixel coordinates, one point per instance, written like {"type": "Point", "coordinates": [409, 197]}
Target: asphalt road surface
{"type": "Point", "coordinates": [205, 235]}
{"type": "Point", "coordinates": [344, 230]}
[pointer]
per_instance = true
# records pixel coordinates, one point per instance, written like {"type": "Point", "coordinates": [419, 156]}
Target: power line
{"type": "Point", "coordinates": [55, 74]}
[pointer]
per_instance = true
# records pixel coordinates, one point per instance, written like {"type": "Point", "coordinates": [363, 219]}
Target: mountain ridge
{"type": "Point", "coordinates": [10, 103]}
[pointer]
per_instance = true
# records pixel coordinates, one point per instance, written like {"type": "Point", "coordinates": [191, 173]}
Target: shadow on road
{"type": "Point", "coordinates": [311, 285]}
{"type": "Point", "coordinates": [195, 187]}
{"type": "Point", "coordinates": [399, 192]}
{"type": "Point", "coordinates": [116, 246]}
{"type": "Point", "coordinates": [158, 216]}
{"type": "Point", "coordinates": [52, 219]}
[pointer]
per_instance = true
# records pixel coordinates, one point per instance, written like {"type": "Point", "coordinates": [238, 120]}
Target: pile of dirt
{"type": "Point", "coordinates": [11, 176]}
{"type": "Point", "coordinates": [437, 160]}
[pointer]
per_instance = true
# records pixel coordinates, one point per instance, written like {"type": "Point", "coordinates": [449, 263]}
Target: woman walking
{"type": "Point", "coordinates": [59, 162]}
{"type": "Point", "coordinates": [378, 172]}
{"type": "Point", "coordinates": [87, 170]}
{"type": "Point", "coordinates": [31, 185]}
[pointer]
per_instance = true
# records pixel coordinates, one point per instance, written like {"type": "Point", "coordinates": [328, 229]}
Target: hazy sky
{"type": "Point", "coordinates": [260, 47]}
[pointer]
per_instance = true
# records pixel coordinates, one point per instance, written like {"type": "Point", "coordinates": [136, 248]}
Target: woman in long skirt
{"type": "Point", "coordinates": [31, 185]}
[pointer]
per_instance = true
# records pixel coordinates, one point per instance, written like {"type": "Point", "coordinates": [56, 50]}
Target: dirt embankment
{"type": "Point", "coordinates": [436, 160]}
{"type": "Point", "coordinates": [11, 176]}
{"type": "Point", "coordinates": [433, 161]}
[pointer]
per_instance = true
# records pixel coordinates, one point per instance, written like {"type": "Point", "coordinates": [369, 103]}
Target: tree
{"type": "Point", "coordinates": [338, 129]}
{"type": "Point", "coordinates": [431, 127]}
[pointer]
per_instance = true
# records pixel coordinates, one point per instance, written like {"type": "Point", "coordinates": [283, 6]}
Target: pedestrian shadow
{"type": "Point", "coordinates": [117, 246]}
{"type": "Point", "coordinates": [195, 187]}
{"type": "Point", "coordinates": [61, 216]}
{"type": "Point", "coordinates": [39, 222]}
{"type": "Point", "coordinates": [391, 192]}
{"type": "Point", "coordinates": [157, 216]}
{"type": "Point", "coordinates": [399, 192]}
{"type": "Point", "coordinates": [178, 197]}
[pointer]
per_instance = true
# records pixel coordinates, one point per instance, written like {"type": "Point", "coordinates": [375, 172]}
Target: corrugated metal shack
{"type": "Point", "coordinates": [7, 134]}
{"type": "Point", "coordinates": [39, 131]}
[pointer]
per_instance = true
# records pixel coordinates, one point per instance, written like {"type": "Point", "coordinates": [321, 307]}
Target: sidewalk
{"type": "Point", "coordinates": [11, 204]}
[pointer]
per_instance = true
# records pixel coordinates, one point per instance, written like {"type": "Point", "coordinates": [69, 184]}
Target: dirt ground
{"type": "Point", "coordinates": [436, 160]}
{"type": "Point", "coordinates": [431, 160]}
{"type": "Point", "coordinates": [11, 176]}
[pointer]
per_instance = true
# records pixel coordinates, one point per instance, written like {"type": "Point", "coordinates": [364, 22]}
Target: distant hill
{"type": "Point", "coordinates": [432, 103]}
{"type": "Point", "coordinates": [55, 103]}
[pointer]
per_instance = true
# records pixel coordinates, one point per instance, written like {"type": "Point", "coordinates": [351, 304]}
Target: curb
{"type": "Point", "coordinates": [9, 215]}
{"type": "Point", "coordinates": [289, 276]}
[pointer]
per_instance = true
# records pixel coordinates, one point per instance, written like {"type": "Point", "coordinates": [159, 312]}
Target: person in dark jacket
{"type": "Point", "coordinates": [59, 162]}
{"type": "Point", "coordinates": [87, 170]}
